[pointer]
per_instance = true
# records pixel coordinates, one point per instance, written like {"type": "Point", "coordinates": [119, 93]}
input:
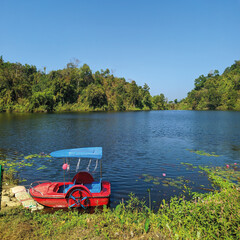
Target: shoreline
{"type": "Point", "coordinates": [205, 215]}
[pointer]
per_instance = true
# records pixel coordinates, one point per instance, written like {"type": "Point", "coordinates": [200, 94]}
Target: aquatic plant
{"type": "Point", "coordinates": [42, 167]}
{"type": "Point", "coordinates": [202, 153]}
{"type": "Point", "coordinates": [179, 182]}
{"type": "Point", "coordinates": [41, 155]}
{"type": "Point", "coordinates": [189, 165]}
{"type": "Point", "coordinates": [223, 176]}
{"type": "Point", "coordinates": [12, 165]}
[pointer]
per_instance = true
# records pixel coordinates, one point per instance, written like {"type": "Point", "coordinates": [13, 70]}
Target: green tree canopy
{"type": "Point", "coordinates": [24, 88]}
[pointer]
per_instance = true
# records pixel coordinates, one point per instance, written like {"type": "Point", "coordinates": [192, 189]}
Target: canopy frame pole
{"type": "Point", "coordinates": [64, 161]}
{"type": "Point", "coordinates": [78, 164]}
{"type": "Point", "coordinates": [101, 168]}
{"type": "Point", "coordinates": [68, 169]}
{"type": "Point", "coordinates": [95, 166]}
{"type": "Point", "coordinates": [88, 167]}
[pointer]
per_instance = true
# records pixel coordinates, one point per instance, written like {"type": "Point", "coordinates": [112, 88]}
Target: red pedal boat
{"type": "Point", "coordinates": [82, 192]}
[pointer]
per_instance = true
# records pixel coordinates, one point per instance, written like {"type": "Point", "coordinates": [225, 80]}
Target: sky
{"type": "Point", "coordinates": [164, 43]}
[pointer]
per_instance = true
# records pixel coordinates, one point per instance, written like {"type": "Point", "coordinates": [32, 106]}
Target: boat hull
{"type": "Point", "coordinates": [47, 195]}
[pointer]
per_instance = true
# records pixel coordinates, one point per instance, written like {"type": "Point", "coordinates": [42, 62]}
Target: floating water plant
{"type": "Point", "coordinates": [42, 167]}
{"type": "Point", "coordinates": [41, 155]}
{"type": "Point", "coordinates": [189, 166]}
{"type": "Point", "coordinates": [12, 165]}
{"type": "Point", "coordinates": [150, 179]}
{"type": "Point", "coordinates": [230, 173]}
{"type": "Point", "coordinates": [202, 153]}
{"type": "Point", "coordinates": [20, 161]}
{"type": "Point", "coordinates": [179, 182]}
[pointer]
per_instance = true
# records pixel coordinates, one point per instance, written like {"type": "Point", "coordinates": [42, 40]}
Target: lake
{"type": "Point", "coordinates": [138, 147]}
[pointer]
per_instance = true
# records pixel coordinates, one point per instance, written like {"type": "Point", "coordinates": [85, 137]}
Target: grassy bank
{"type": "Point", "coordinates": [215, 215]}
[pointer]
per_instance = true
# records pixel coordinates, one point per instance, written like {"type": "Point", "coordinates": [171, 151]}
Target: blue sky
{"type": "Point", "coordinates": [166, 44]}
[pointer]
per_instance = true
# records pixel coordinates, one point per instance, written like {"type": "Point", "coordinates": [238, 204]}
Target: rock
{"type": "Point", "coordinates": [5, 192]}
{"type": "Point", "coordinates": [40, 207]}
{"type": "Point", "coordinates": [29, 203]}
{"type": "Point", "coordinates": [13, 199]}
{"type": "Point", "coordinates": [34, 209]}
{"type": "Point", "coordinates": [13, 204]}
{"type": "Point", "coordinates": [5, 199]}
{"type": "Point", "coordinates": [18, 189]}
{"type": "Point", "coordinates": [3, 204]}
{"type": "Point", "coordinates": [22, 196]}
{"type": "Point", "coordinates": [11, 194]}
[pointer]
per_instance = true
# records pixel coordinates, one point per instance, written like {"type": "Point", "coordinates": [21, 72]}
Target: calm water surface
{"type": "Point", "coordinates": [134, 144]}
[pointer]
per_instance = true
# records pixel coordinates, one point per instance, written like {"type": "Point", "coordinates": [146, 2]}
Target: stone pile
{"type": "Point", "coordinates": [8, 199]}
{"type": "Point", "coordinates": [17, 196]}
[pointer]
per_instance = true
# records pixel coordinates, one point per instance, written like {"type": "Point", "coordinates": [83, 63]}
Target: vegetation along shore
{"type": "Point", "coordinates": [215, 91]}
{"type": "Point", "coordinates": [24, 88]}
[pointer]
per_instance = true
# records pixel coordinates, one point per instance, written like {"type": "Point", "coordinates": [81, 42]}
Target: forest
{"type": "Point", "coordinates": [24, 88]}
{"type": "Point", "coordinates": [215, 91]}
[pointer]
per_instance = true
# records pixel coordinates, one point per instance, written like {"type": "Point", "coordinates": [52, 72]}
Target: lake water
{"type": "Point", "coordinates": [138, 147]}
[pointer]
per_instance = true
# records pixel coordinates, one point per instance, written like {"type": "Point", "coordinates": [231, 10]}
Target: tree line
{"type": "Point", "coordinates": [24, 88]}
{"type": "Point", "coordinates": [215, 91]}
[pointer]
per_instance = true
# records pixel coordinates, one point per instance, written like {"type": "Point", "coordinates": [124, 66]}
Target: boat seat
{"type": "Point", "coordinates": [83, 178]}
{"type": "Point", "coordinates": [67, 187]}
{"type": "Point", "coordinates": [94, 187]}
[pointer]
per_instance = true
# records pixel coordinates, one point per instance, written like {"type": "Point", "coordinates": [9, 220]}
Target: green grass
{"type": "Point", "coordinates": [214, 215]}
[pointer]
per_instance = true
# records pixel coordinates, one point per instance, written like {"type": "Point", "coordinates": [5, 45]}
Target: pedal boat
{"type": "Point", "coordinates": [82, 192]}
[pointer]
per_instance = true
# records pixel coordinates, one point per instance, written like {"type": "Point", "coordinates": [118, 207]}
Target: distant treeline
{"type": "Point", "coordinates": [24, 88]}
{"type": "Point", "coordinates": [215, 92]}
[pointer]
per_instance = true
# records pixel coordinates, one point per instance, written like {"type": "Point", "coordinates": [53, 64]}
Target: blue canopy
{"type": "Point", "coordinates": [92, 152]}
